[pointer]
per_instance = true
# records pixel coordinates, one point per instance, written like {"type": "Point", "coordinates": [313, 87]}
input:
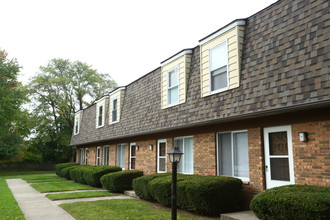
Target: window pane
{"type": "Point", "coordinates": [162, 164]}
{"type": "Point", "coordinates": [114, 104]}
{"type": "Point", "coordinates": [132, 163]}
{"type": "Point", "coordinates": [218, 56]}
{"type": "Point", "coordinates": [173, 78]}
{"type": "Point", "coordinates": [241, 156]}
{"type": "Point", "coordinates": [122, 164]}
{"type": "Point", "coordinates": [179, 143]}
{"type": "Point", "coordinates": [114, 115]}
{"type": "Point", "coordinates": [133, 150]}
{"type": "Point", "coordinates": [162, 149]}
{"type": "Point", "coordinates": [225, 154]}
{"type": "Point", "coordinates": [219, 79]}
{"type": "Point", "coordinates": [173, 95]}
{"type": "Point", "coordinates": [188, 155]}
{"type": "Point", "coordinates": [279, 168]}
{"type": "Point", "coordinates": [278, 143]}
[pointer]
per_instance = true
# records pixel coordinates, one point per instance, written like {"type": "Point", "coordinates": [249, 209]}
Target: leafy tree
{"type": "Point", "coordinates": [58, 91]}
{"type": "Point", "coordinates": [12, 118]}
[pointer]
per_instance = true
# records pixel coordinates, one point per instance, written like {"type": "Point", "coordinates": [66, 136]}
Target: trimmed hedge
{"type": "Point", "coordinates": [65, 172]}
{"type": "Point", "coordinates": [205, 195]}
{"type": "Point", "coordinates": [91, 175]}
{"type": "Point", "coordinates": [60, 166]}
{"type": "Point", "coordinates": [140, 185]}
{"type": "Point", "coordinates": [119, 181]}
{"type": "Point", "coordinates": [210, 195]}
{"type": "Point", "coordinates": [293, 202]}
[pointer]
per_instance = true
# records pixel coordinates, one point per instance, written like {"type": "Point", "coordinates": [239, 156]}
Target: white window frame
{"type": "Point", "coordinates": [130, 155]}
{"type": "Point", "coordinates": [183, 155]}
{"type": "Point", "coordinates": [116, 110]}
{"type": "Point", "coordinates": [177, 70]}
{"type": "Point", "coordinates": [161, 141]}
{"type": "Point", "coordinates": [244, 179]}
{"type": "Point", "coordinates": [86, 156]}
{"type": "Point", "coordinates": [120, 154]}
{"type": "Point", "coordinates": [105, 155]}
{"type": "Point", "coordinates": [97, 156]}
{"type": "Point", "coordinates": [98, 114]}
{"type": "Point", "coordinates": [76, 128]}
{"type": "Point", "coordinates": [211, 70]}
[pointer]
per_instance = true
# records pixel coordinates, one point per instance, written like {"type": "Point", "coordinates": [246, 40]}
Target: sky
{"type": "Point", "coordinates": [123, 38]}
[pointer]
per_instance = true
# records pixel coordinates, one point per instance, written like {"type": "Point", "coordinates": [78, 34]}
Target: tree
{"type": "Point", "coordinates": [58, 91]}
{"type": "Point", "coordinates": [12, 117]}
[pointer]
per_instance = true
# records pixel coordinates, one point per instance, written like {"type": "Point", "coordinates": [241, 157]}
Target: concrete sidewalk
{"type": "Point", "coordinates": [33, 204]}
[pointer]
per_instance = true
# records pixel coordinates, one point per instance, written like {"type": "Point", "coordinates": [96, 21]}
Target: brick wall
{"type": "Point", "coordinates": [205, 154]}
{"type": "Point", "coordinates": [146, 158]}
{"type": "Point", "coordinates": [312, 158]}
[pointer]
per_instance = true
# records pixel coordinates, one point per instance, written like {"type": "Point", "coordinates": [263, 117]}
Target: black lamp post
{"type": "Point", "coordinates": [175, 156]}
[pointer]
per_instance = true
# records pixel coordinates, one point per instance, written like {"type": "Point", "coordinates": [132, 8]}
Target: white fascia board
{"type": "Point", "coordinates": [176, 57]}
{"type": "Point", "coordinates": [101, 99]}
{"type": "Point", "coordinates": [117, 89]}
{"type": "Point", "coordinates": [223, 30]}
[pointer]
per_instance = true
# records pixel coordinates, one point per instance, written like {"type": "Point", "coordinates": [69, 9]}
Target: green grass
{"type": "Point", "coordinates": [40, 178]}
{"type": "Point", "coordinates": [59, 186]}
{"type": "Point", "coordinates": [9, 209]}
{"type": "Point", "coordinates": [121, 209]}
{"type": "Point", "coordinates": [78, 195]}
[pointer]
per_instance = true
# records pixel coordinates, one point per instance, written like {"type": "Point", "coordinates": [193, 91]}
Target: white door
{"type": "Point", "coordinates": [278, 156]}
{"type": "Point", "coordinates": [161, 156]}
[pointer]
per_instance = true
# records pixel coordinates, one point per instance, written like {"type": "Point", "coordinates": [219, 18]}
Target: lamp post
{"type": "Point", "coordinates": [175, 156]}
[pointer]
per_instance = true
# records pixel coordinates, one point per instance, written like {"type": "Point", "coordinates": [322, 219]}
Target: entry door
{"type": "Point", "coordinates": [132, 156]}
{"type": "Point", "coordinates": [278, 156]}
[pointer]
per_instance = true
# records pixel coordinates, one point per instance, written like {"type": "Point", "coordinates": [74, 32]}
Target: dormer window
{"type": "Point", "coordinates": [174, 78]}
{"type": "Point", "coordinates": [100, 110]}
{"type": "Point", "coordinates": [76, 127]}
{"type": "Point", "coordinates": [114, 110]}
{"type": "Point", "coordinates": [173, 86]}
{"type": "Point", "coordinates": [116, 99]}
{"type": "Point", "coordinates": [220, 62]}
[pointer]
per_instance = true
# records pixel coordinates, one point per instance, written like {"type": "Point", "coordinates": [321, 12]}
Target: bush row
{"type": "Point", "coordinates": [293, 202]}
{"type": "Point", "coordinates": [65, 172]}
{"type": "Point", "coordinates": [119, 181]}
{"type": "Point", "coordinates": [91, 175]}
{"type": "Point", "coordinates": [205, 195]}
{"type": "Point", "coordinates": [60, 166]}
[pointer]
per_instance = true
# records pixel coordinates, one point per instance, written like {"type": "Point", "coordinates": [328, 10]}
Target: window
{"type": "Point", "coordinates": [97, 155]}
{"type": "Point", "coordinates": [86, 156]}
{"type": "Point", "coordinates": [173, 86]}
{"type": "Point", "coordinates": [132, 156]}
{"type": "Point", "coordinates": [218, 62]}
{"type": "Point", "coordinates": [161, 156]}
{"type": "Point", "coordinates": [81, 156]}
{"type": "Point", "coordinates": [114, 110]}
{"type": "Point", "coordinates": [120, 156]}
{"type": "Point", "coordinates": [186, 164]}
{"type": "Point", "coordinates": [76, 123]}
{"type": "Point", "coordinates": [100, 116]}
{"type": "Point", "coordinates": [105, 155]}
{"type": "Point", "coordinates": [233, 157]}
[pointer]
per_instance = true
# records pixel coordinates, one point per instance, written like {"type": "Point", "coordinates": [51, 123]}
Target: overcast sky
{"type": "Point", "coordinates": [125, 38]}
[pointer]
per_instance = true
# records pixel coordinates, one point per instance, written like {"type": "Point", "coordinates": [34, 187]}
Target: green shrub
{"type": "Point", "coordinates": [140, 185]}
{"type": "Point", "coordinates": [92, 175]}
{"type": "Point", "coordinates": [65, 172]}
{"type": "Point", "coordinates": [60, 166]}
{"type": "Point", "coordinates": [76, 174]}
{"type": "Point", "coordinates": [293, 202]}
{"type": "Point", "coordinates": [209, 195]}
{"type": "Point", "coordinates": [119, 181]}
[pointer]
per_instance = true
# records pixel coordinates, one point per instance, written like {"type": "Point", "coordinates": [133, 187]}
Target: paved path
{"type": "Point", "coordinates": [33, 204]}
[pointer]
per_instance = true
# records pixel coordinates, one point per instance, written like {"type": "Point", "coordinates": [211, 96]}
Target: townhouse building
{"type": "Point", "coordinates": [251, 100]}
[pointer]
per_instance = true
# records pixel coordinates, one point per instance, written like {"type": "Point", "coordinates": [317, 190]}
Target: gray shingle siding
{"type": "Point", "coordinates": [285, 64]}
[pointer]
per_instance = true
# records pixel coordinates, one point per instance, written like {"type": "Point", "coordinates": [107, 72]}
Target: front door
{"type": "Point", "coordinates": [278, 156]}
{"type": "Point", "coordinates": [132, 156]}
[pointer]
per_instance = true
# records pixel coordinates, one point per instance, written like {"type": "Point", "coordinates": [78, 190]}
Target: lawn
{"type": "Point", "coordinates": [59, 186]}
{"type": "Point", "coordinates": [78, 195]}
{"type": "Point", "coordinates": [121, 209]}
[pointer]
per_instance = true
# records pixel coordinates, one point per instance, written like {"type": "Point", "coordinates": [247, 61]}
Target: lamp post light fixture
{"type": "Point", "coordinates": [175, 156]}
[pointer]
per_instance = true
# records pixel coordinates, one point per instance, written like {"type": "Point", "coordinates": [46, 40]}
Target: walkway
{"type": "Point", "coordinates": [36, 206]}
{"type": "Point", "coordinates": [33, 204]}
